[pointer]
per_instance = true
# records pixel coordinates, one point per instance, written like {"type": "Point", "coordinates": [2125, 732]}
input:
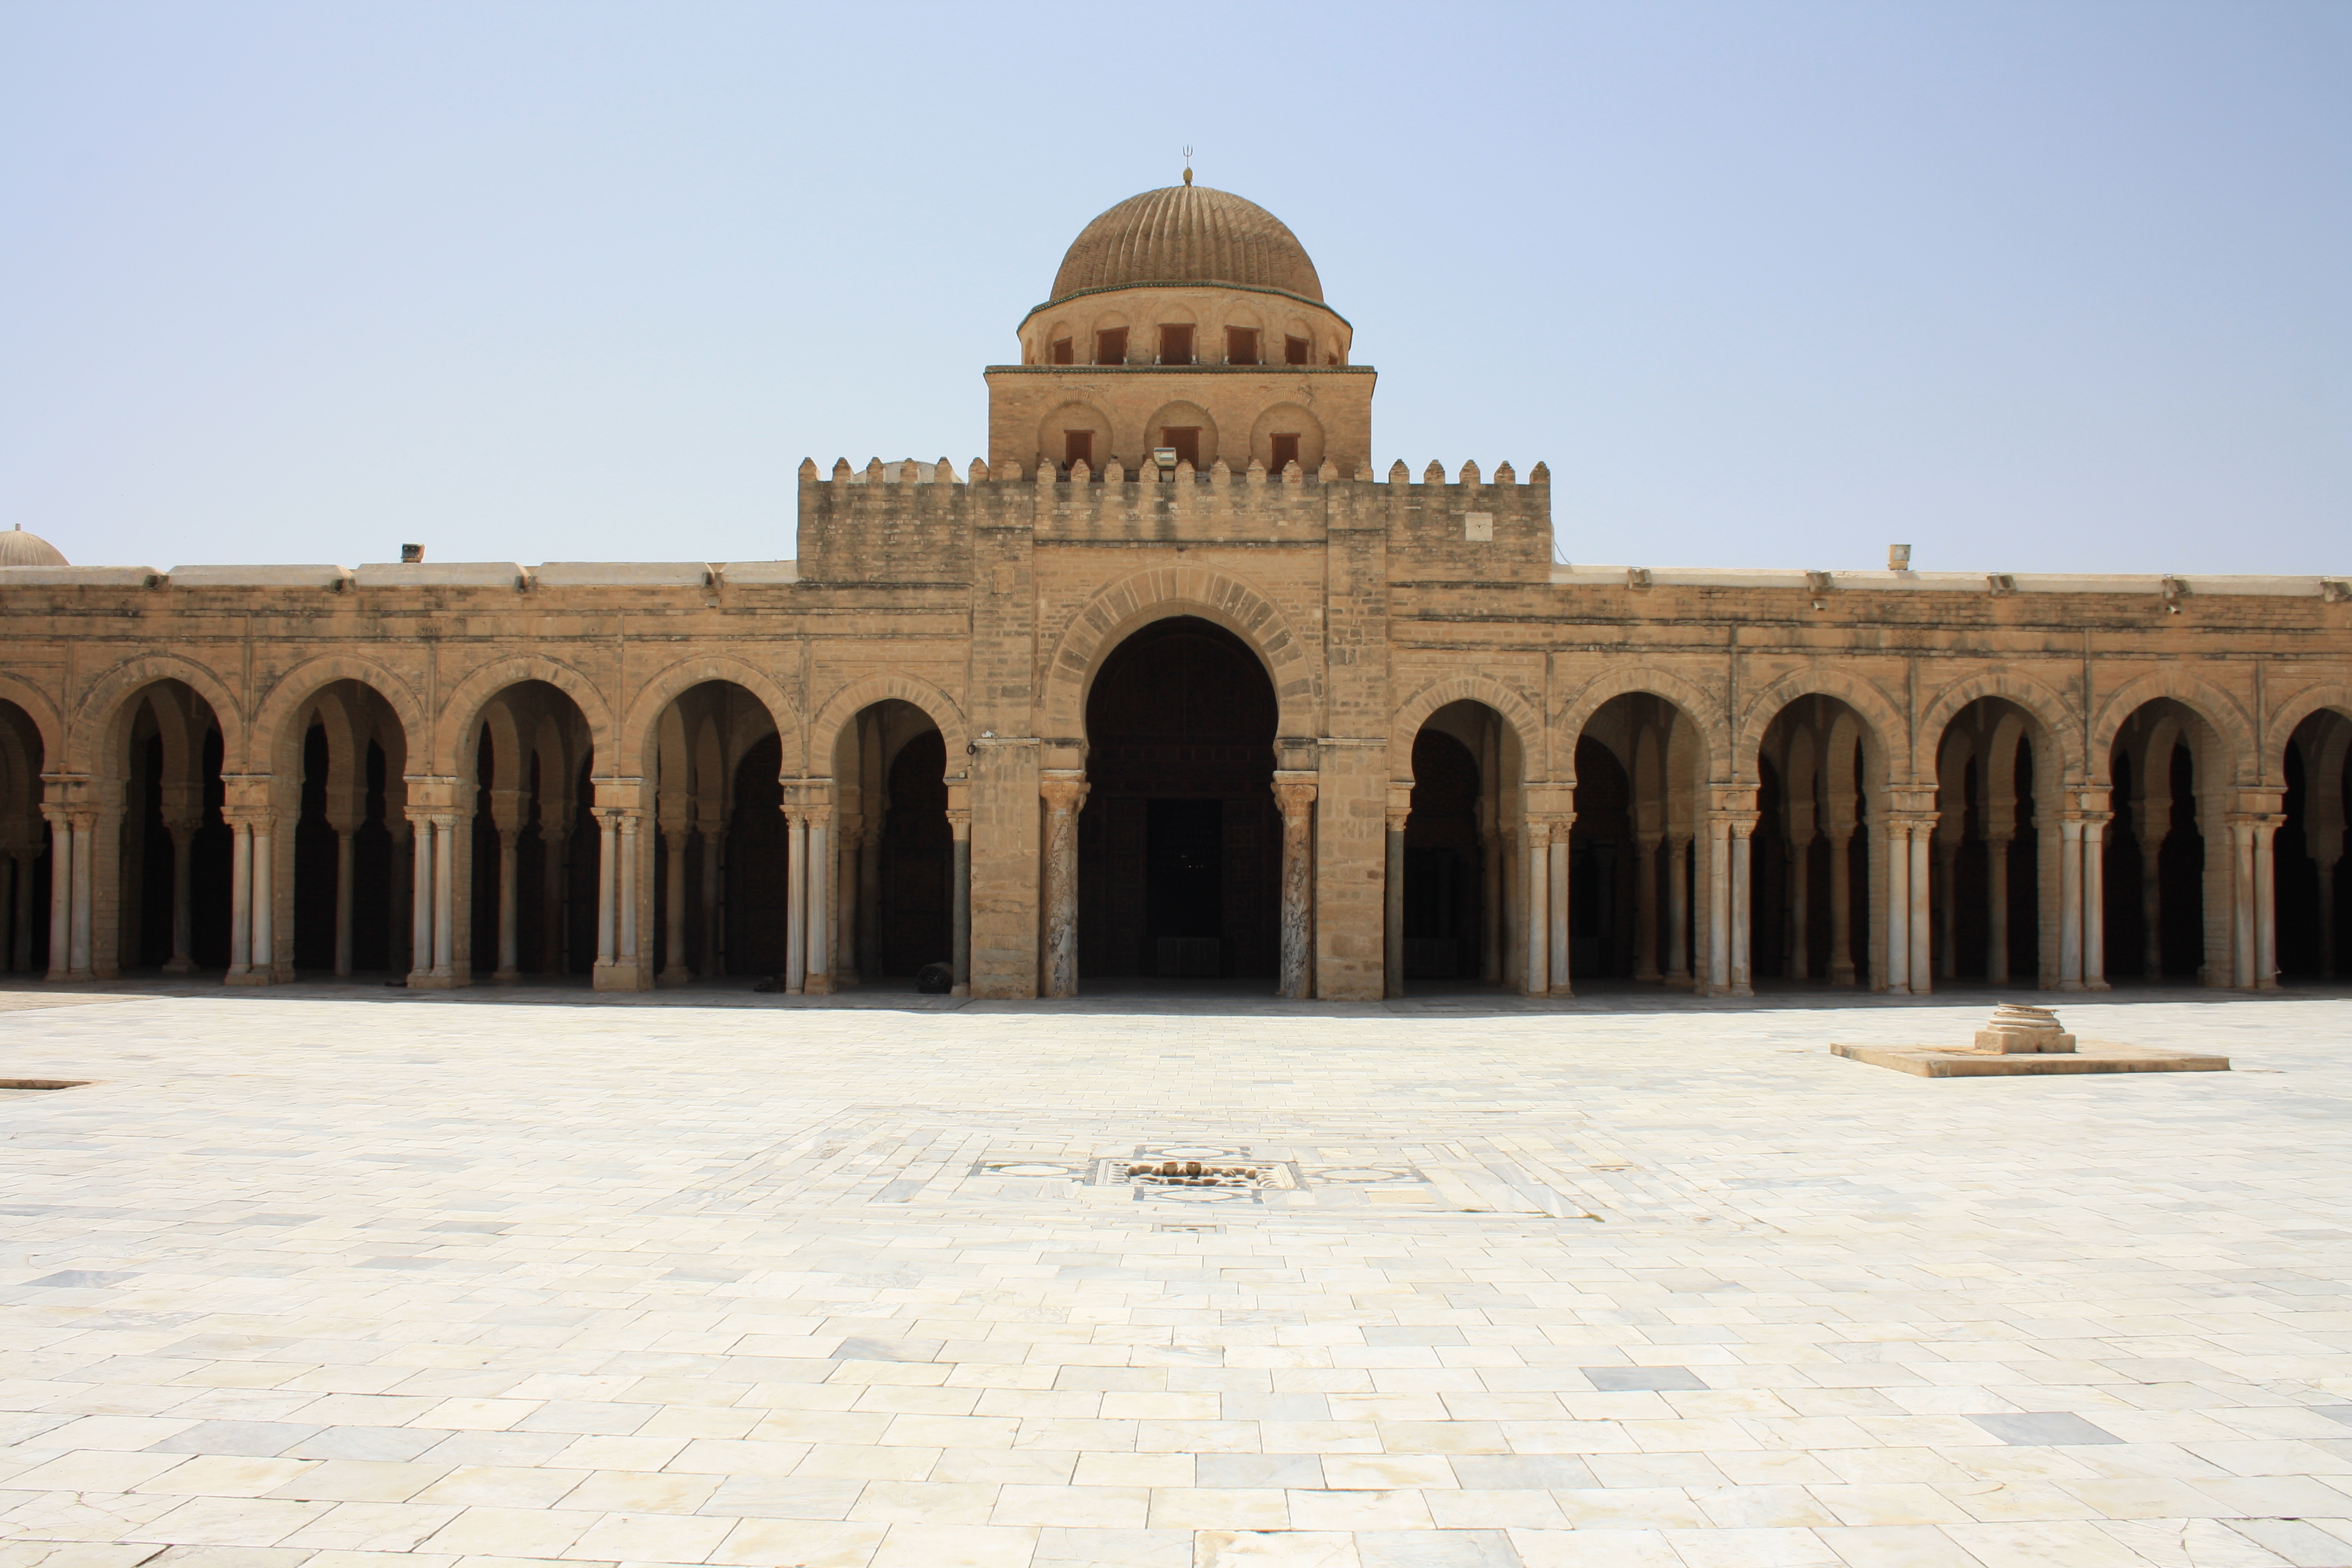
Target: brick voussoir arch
{"type": "Point", "coordinates": [1703, 708]}
{"type": "Point", "coordinates": [291, 692]}
{"type": "Point", "coordinates": [1156, 594]}
{"type": "Point", "coordinates": [845, 705]}
{"type": "Point", "coordinates": [2299, 705]}
{"type": "Point", "coordinates": [42, 711]}
{"type": "Point", "coordinates": [464, 703]}
{"type": "Point", "coordinates": [639, 729]}
{"type": "Point", "coordinates": [2223, 713]}
{"type": "Point", "coordinates": [101, 709]}
{"type": "Point", "coordinates": [1524, 718]}
{"type": "Point", "coordinates": [1880, 716]}
{"type": "Point", "coordinates": [2059, 720]}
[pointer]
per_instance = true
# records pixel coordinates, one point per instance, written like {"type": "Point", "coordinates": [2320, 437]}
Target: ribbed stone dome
{"type": "Point", "coordinates": [18, 548]}
{"type": "Point", "coordinates": [1188, 234]}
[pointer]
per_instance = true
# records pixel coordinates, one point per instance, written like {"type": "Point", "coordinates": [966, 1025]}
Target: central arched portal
{"type": "Point", "coordinates": [1179, 849]}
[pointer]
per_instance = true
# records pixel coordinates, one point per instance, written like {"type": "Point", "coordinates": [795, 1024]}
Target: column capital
{"type": "Point", "coordinates": [958, 823]}
{"type": "Point", "coordinates": [1063, 789]}
{"type": "Point", "coordinates": [612, 816]}
{"type": "Point", "coordinates": [1293, 794]}
{"type": "Point", "coordinates": [819, 815]}
{"type": "Point", "coordinates": [249, 815]}
{"type": "Point", "coordinates": [1398, 816]}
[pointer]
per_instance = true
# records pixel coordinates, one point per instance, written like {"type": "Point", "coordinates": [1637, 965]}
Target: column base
{"type": "Point", "coordinates": [622, 974]}
{"type": "Point", "coordinates": [506, 977]}
{"type": "Point", "coordinates": [817, 985]}
{"type": "Point", "coordinates": [180, 966]}
{"type": "Point", "coordinates": [1562, 990]}
{"type": "Point", "coordinates": [2096, 985]}
{"type": "Point", "coordinates": [250, 977]}
{"type": "Point", "coordinates": [429, 981]}
{"type": "Point", "coordinates": [964, 990]}
{"type": "Point", "coordinates": [2071, 985]}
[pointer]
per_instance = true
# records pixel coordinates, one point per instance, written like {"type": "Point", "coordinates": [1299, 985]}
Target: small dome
{"type": "Point", "coordinates": [1188, 234]}
{"type": "Point", "coordinates": [18, 548]}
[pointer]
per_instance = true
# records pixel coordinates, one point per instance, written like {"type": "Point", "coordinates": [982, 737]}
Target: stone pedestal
{"type": "Point", "coordinates": [2018, 1030]}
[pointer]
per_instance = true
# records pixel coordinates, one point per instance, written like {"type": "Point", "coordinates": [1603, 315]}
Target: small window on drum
{"type": "Point", "coordinates": [1176, 344]}
{"type": "Point", "coordinates": [1241, 345]}
{"type": "Point", "coordinates": [1111, 346]}
{"type": "Point", "coordinates": [1064, 352]}
{"type": "Point", "coordinates": [1077, 447]}
{"type": "Point", "coordinates": [1285, 452]}
{"type": "Point", "coordinates": [1295, 351]}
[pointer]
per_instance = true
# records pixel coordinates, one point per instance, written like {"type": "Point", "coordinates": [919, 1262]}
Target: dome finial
{"type": "Point", "coordinates": [1187, 165]}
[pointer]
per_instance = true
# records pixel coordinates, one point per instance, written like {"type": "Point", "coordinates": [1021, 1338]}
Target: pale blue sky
{"type": "Point", "coordinates": [2029, 287]}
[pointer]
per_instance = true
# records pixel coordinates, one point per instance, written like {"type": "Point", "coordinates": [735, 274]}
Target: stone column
{"type": "Point", "coordinates": [445, 896]}
{"type": "Point", "coordinates": [20, 953]}
{"type": "Point", "coordinates": [1719, 908]}
{"type": "Point", "coordinates": [1743, 902]}
{"type": "Point", "coordinates": [1535, 879]}
{"type": "Point", "coordinates": [397, 892]}
{"type": "Point", "coordinates": [2151, 906]}
{"type": "Point", "coordinates": [509, 968]}
{"type": "Point", "coordinates": [85, 855]}
{"type": "Point", "coordinates": [672, 840]}
{"type": "Point", "coordinates": [869, 898]}
{"type": "Point", "coordinates": [1996, 909]}
{"type": "Point", "coordinates": [60, 892]}
{"type": "Point", "coordinates": [632, 954]}
{"type": "Point", "coordinates": [265, 898]}
{"type": "Point", "coordinates": [555, 926]}
{"type": "Point", "coordinates": [2094, 899]}
{"type": "Point", "coordinates": [1948, 906]}
{"type": "Point", "coordinates": [1392, 904]}
{"type": "Point", "coordinates": [818, 981]}
{"type": "Point", "coordinates": [1297, 799]}
{"type": "Point", "coordinates": [1894, 838]}
{"type": "Point", "coordinates": [1645, 906]}
{"type": "Point", "coordinates": [1561, 984]}
{"type": "Point", "coordinates": [1678, 849]}
{"type": "Point", "coordinates": [1801, 915]}
{"type": "Point", "coordinates": [608, 866]}
{"type": "Point", "coordinates": [1490, 900]}
{"type": "Point", "coordinates": [714, 934]}
{"type": "Point", "coordinates": [345, 865]}
{"type": "Point", "coordinates": [12, 871]}
{"type": "Point", "coordinates": [1841, 968]}
{"type": "Point", "coordinates": [2267, 902]}
{"type": "Point", "coordinates": [184, 914]}
{"type": "Point", "coordinates": [2321, 859]}
{"type": "Point", "coordinates": [240, 898]}
{"type": "Point", "coordinates": [1923, 927]}
{"type": "Point", "coordinates": [796, 881]}
{"type": "Point", "coordinates": [960, 902]}
{"type": "Point", "coordinates": [2070, 900]}
{"type": "Point", "coordinates": [423, 897]}
{"type": "Point", "coordinates": [1065, 793]}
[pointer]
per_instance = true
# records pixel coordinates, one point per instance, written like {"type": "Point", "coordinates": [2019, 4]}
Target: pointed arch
{"type": "Point", "coordinates": [1702, 708]}
{"type": "Point", "coordinates": [1157, 594]}
{"type": "Point", "coordinates": [463, 709]}
{"type": "Point", "coordinates": [653, 699]}
{"type": "Point", "coordinates": [2060, 720]}
{"type": "Point", "coordinates": [1881, 719]}
{"type": "Point", "coordinates": [289, 694]}
{"type": "Point", "coordinates": [93, 740]}
{"type": "Point", "coordinates": [844, 706]}
{"type": "Point", "coordinates": [1524, 718]}
{"type": "Point", "coordinates": [2282, 723]}
{"type": "Point", "coordinates": [2223, 713]}
{"type": "Point", "coordinates": [40, 710]}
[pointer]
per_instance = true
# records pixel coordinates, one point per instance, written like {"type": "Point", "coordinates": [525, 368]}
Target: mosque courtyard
{"type": "Point", "coordinates": [331, 1277]}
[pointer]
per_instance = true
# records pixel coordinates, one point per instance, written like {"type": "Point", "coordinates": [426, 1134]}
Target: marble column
{"type": "Point", "coordinates": [2070, 901]}
{"type": "Point", "coordinates": [796, 887]}
{"type": "Point", "coordinates": [672, 839]}
{"type": "Point", "coordinates": [1840, 966]}
{"type": "Point", "coordinates": [345, 867]}
{"type": "Point", "coordinates": [241, 898]}
{"type": "Point", "coordinates": [714, 934]}
{"type": "Point", "coordinates": [2094, 901]}
{"type": "Point", "coordinates": [959, 906]}
{"type": "Point", "coordinates": [1719, 908]}
{"type": "Point", "coordinates": [1895, 843]}
{"type": "Point", "coordinates": [509, 968]}
{"type": "Point", "coordinates": [1392, 906]}
{"type": "Point", "coordinates": [20, 953]}
{"type": "Point", "coordinates": [422, 897]}
{"type": "Point", "coordinates": [632, 953]}
{"type": "Point", "coordinates": [264, 898]}
{"type": "Point", "coordinates": [1923, 924]}
{"type": "Point", "coordinates": [555, 926]}
{"type": "Point", "coordinates": [2151, 906]}
{"type": "Point", "coordinates": [1065, 793]}
{"type": "Point", "coordinates": [183, 915]}
{"type": "Point", "coordinates": [818, 978]}
{"type": "Point", "coordinates": [85, 855]}
{"type": "Point", "coordinates": [1997, 909]}
{"type": "Point", "coordinates": [1561, 983]}
{"type": "Point", "coordinates": [608, 866]}
{"type": "Point", "coordinates": [1645, 906]}
{"type": "Point", "coordinates": [1743, 905]}
{"type": "Point", "coordinates": [1678, 847]}
{"type": "Point", "coordinates": [1948, 906]}
{"type": "Point", "coordinates": [1799, 965]}
{"type": "Point", "coordinates": [1490, 902]}
{"type": "Point", "coordinates": [1536, 880]}
{"type": "Point", "coordinates": [444, 896]}
{"type": "Point", "coordinates": [60, 892]}
{"type": "Point", "coordinates": [869, 898]}
{"type": "Point", "coordinates": [2325, 863]}
{"type": "Point", "coordinates": [1297, 799]}
{"type": "Point", "coordinates": [2267, 902]}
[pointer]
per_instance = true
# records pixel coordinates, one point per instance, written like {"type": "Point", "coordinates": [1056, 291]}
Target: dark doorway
{"type": "Point", "coordinates": [1179, 846]}
{"type": "Point", "coordinates": [1442, 862]}
{"type": "Point", "coordinates": [917, 858]}
{"type": "Point", "coordinates": [758, 856]}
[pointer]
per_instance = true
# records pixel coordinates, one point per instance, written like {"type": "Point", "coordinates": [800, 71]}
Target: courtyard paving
{"type": "Point", "coordinates": [322, 1278]}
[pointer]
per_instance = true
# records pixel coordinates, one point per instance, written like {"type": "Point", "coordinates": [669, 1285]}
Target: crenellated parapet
{"type": "Point", "coordinates": [915, 522]}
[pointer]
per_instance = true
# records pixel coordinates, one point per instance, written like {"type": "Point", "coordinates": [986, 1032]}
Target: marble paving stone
{"type": "Point", "coordinates": [331, 1281]}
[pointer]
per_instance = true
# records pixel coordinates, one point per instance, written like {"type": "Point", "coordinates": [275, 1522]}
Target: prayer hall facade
{"type": "Point", "coordinates": [1174, 684]}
